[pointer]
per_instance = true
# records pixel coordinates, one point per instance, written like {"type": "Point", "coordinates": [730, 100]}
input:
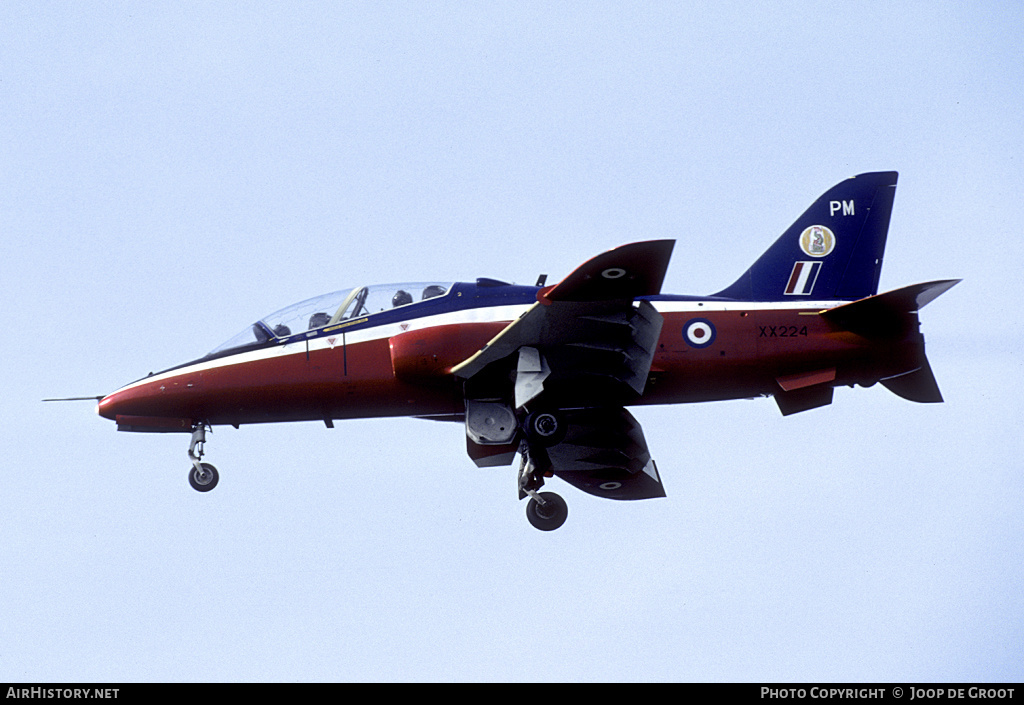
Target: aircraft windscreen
{"type": "Point", "coordinates": [333, 308]}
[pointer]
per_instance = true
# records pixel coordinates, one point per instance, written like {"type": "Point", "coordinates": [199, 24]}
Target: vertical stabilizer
{"type": "Point", "coordinates": [832, 252]}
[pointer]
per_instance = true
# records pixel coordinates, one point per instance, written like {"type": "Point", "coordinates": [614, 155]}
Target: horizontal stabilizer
{"type": "Point", "coordinates": [919, 385]}
{"type": "Point", "coordinates": [885, 315]}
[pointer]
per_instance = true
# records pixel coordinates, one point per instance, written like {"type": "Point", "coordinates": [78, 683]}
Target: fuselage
{"type": "Point", "coordinates": [545, 373]}
{"type": "Point", "coordinates": [398, 362]}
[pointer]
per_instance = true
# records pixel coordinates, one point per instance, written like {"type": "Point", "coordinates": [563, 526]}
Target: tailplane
{"type": "Point", "coordinates": [919, 385]}
{"type": "Point", "coordinates": [893, 316]}
{"type": "Point", "coordinates": [832, 252]}
{"type": "Point", "coordinates": [888, 315]}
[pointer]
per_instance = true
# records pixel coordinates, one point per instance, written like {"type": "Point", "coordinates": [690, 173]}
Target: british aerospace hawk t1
{"type": "Point", "coordinates": [549, 373]}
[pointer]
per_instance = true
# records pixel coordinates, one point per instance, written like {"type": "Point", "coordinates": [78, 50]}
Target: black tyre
{"type": "Point", "coordinates": [548, 516]}
{"type": "Point", "coordinates": [205, 481]}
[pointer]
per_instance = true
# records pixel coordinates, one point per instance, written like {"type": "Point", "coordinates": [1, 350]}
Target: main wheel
{"type": "Point", "coordinates": [550, 515]}
{"type": "Point", "coordinates": [203, 481]}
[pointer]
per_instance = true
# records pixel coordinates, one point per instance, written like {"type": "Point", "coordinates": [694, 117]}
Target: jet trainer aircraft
{"type": "Point", "coordinates": [547, 372]}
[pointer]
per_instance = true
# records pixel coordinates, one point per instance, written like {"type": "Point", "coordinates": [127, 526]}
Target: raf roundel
{"type": "Point", "coordinates": [699, 332]}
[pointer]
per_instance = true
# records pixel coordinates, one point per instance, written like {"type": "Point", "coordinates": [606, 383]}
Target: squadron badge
{"type": "Point", "coordinates": [817, 241]}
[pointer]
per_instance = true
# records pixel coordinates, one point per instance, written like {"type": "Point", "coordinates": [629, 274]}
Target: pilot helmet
{"type": "Point", "coordinates": [401, 298]}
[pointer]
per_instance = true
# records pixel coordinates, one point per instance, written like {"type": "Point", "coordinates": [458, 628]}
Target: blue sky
{"type": "Point", "coordinates": [173, 172]}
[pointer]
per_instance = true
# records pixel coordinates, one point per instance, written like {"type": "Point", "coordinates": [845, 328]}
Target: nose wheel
{"type": "Point", "coordinates": [202, 476]}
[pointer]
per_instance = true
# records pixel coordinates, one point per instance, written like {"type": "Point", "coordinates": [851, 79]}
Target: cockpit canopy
{"type": "Point", "coordinates": [331, 309]}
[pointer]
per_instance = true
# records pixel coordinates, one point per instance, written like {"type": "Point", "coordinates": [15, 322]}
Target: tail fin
{"type": "Point", "coordinates": [832, 252]}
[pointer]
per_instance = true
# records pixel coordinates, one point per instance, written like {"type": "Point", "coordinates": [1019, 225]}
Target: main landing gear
{"type": "Point", "coordinates": [203, 477]}
{"type": "Point", "coordinates": [546, 510]}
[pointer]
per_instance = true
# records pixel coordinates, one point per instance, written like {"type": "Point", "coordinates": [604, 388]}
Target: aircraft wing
{"type": "Point", "coordinates": [584, 342]}
{"type": "Point", "coordinates": [622, 273]}
{"type": "Point", "coordinates": [582, 352]}
{"type": "Point", "coordinates": [604, 453]}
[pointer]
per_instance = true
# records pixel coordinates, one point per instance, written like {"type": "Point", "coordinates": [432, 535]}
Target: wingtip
{"type": "Point", "coordinates": [624, 272]}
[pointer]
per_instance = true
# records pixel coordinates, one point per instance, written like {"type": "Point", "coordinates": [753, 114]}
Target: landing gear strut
{"type": "Point", "coordinates": [203, 477]}
{"type": "Point", "coordinates": [546, 510]}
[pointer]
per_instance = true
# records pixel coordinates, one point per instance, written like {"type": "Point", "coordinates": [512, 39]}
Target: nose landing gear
{"type": "Point", "coordinates": [202, 476]}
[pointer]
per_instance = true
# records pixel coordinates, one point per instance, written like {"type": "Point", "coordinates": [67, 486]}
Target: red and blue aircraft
{"type": "Point", "coordinates": [547, 372]}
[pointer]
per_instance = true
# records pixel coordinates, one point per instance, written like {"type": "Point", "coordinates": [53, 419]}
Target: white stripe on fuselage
{"type": "Point", "coordinates": [698, 306]}
{"type": "Point", "coordinates": [483, 314]}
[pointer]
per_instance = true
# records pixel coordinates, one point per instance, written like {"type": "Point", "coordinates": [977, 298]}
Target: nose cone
{"type": "Point", "coordinates": [144, 406]}
{"type": "Point", "coordinates": [107, 406]}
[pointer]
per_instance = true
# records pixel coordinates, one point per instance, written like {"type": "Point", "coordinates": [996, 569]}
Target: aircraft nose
{"type": "Point", "coordinates": [137, 408]}
{"type": "Point", "coordinates": [107, 406]}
